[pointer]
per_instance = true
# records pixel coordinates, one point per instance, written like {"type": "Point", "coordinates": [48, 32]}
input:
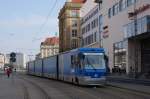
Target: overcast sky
{"type": "Point", "coordinates": [21, 21]}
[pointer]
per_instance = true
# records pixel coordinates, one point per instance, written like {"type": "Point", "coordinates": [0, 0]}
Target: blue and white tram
{"type": "Point", "coordinates": [84, 66]}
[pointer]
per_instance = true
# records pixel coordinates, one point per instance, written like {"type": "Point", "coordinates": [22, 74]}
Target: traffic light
{"type": "Point", "coordinates": [13, 57]}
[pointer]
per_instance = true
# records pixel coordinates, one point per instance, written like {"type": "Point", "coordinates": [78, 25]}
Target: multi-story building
{"type": "Point", "coordinates": [124, 28]}
{"type": "Point", "coordinates": [90, 30]}
{"type": "Point", "coordinates": [69, 25]}
{"type": "Point", "coordinates": [125, 35]}
{"type": "Point", "coordinates": [20, 61]}
{"type": "Point", "coordinates": [49, 47]}
{"type": "Point", "coordinates": [2, 60]}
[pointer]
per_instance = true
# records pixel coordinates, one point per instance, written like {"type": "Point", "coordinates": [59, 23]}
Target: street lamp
{"type": "Point", "coordinates": [99, 2]}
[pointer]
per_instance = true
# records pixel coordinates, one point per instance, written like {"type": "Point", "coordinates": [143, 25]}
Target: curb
{"type": "Point", "coordinates": [139, 91]}
{"type": "Point", "coordinates": [129, 80]}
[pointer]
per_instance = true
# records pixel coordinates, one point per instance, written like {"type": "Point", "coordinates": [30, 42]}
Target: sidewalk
{"type": "Point", "coordinates": [9, 88]}
{"type": "Point", "coordinates": [125, 82]}
{"type": "Point", "coordinates": [126, 79]}
{"type": "Point", "coordinates": [132, 87]}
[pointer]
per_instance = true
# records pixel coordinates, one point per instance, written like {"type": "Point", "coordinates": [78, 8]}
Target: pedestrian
{"type": "Point", "coordinates": [8, 71]}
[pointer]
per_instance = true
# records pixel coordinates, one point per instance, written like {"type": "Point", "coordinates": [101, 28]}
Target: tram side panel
{"type": "Point", "coordinates": [31, 68]}
{"type": "Point", "coordinates": [38, 67]}
{"type": "Point", "coordinates": [65, 67]}
{"type": "Point", "coordinates": [50, 67]}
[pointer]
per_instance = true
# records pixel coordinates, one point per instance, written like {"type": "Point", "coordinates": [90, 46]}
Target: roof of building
{"type": "Point", "coordinates": [51, 41]}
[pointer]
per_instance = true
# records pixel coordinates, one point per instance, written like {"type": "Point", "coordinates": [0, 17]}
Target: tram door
{"type": "Point", "coordinates": [145, 55]}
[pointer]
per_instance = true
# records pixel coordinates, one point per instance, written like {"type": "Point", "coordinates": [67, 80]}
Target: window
{"type": "Point", "coordinates": [74, 13]}
{"type": "Point", "coordinates": [110, 12]}
{"type": "Point", "coordinates": [144, 25]}
{"type": "Point", "coordinates": [122, 4]}
{"type": "Point", "coordinates": [92, 24]}
{"type": "Point", "coordinates": [74, 61]}
{"type": "Point", "coordinates": [130, 2]}
{"type": "Point", "coordinates": [96, 21]}
{"type": "Point", "coordinates": [115, 9]}
{"type": "Point", "coordinates": [141, 27]}
{"type": "Point", "coordinates": [74, 33]}
{"type": "Point", "coordinates": [148, 24]}
{"type": "Point", "coordinates": [88, 26]}
{"type": "Point", "coordinates": [120, 55]}
{"type": "Point", "coordinates": [83, 30]}
{"type": "Point", "coordinates": [74, 23]}
{"type": "Point", "coordinates": [74, 43]}
{"type": "Point", "coordinates": [88, 38]}
{"type": "Point", "coordinates": [95, 37]}
{"type": "Point", "coordinates": [100, 23]}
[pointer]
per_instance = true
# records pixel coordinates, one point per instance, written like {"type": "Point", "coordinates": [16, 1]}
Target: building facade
{"type": "Point", "coordinates": [123, 30]}
{"type": "Point", "coordinates": [69, 25]}
{"type": "Point", "coordinates": [49, 47]}
{"type": "Point", "coordinates": [125, 35]}
{"type": "Point", "coordinates": [90, 30]}
{"type": "Point", "coordinates": [2, 60]}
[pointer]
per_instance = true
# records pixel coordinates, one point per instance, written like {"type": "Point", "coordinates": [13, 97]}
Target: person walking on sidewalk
{"type": "Point", "coordinates": [8, 71]}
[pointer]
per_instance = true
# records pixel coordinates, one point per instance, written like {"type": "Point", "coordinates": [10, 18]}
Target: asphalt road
{"type": "Point", "coordinates": [29, 87]}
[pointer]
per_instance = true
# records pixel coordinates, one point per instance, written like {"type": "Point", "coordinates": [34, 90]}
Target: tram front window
{"type": "Point", "coordinates": [94, 60]}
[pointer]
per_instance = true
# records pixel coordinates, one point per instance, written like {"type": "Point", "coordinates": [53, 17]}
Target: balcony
{"type": "Point", "coordinates": [141, 26]}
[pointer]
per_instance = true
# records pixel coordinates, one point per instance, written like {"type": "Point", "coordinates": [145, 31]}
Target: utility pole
{"type": "Point", "coordinates": [99, 2]}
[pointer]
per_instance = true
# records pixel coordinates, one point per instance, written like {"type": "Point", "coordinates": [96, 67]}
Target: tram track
{"type": "Point", "coordinates": [25, 92]}
{"type": "Point", "coordinates": [79, 92]}
{"type": "Point", "coordinates": [38, 87]}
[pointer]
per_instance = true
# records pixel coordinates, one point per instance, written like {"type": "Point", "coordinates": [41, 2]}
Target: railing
{"type": "Point", "coordinates": [143, 26]}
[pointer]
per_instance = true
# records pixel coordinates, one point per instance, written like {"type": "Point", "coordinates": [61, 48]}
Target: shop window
{"type": "Point", "coordinates": [120, 55]}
